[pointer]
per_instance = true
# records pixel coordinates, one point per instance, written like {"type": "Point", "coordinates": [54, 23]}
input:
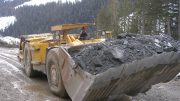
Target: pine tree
{"type": "Point", "coordinates": [179, 21]}
{"type": "Point", "coordinates": [144, 16]}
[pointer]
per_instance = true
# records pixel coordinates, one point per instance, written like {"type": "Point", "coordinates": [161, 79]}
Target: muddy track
{"type": "Point", "coordinates": [12, 61]}
{"type": "Point", "coordinates": [16, 86]}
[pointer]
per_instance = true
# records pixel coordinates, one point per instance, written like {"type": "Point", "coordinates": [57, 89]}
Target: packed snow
{"type": "Point", "coordinates": [178, 74]}
{"type": "Point", "coordinates": [6, 21]}
{"type": "Point", "coordinates": [157, 41]}
{"type": "Point", "coordinates": [10, 40]}
{"type": "Point", "coordinates": [42, 2]}
{"type": "Point", "coordinates": [8, 0]}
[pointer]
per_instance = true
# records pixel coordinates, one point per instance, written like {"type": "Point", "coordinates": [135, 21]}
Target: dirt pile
{"type": "Point", "coordinates": [113, 53]}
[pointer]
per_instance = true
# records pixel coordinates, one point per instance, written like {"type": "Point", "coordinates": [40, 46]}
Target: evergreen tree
{"type": "Point", "coordinates": [38, 19]}
{"type": "Point", "coordinates": [143, 16]}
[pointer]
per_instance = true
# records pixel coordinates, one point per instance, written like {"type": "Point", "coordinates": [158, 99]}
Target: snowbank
{"type": "Point", "coordinates": [6, 21]}
{"type": "Point", "coordinates": [10, 40]}
{"type": "Point", "coordinates": [42, 2]}
{"type": "Point", "coordinates": [178, 75]}
{"type": "Point", "coordinates": [8, 0]}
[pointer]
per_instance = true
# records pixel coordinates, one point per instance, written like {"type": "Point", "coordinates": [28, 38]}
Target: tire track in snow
{"type": "Point", "coordinates": [10, 59]}
{"type": "Point", "coordinates": [17, 85]}
{"type": "Point", "coordinates": [11, 62]}
{"type": "Point", "coordinates": [14, 56]}
{"type": "Point", "coordinates": [12, 71]}
{"type": "Point", "coordinates": [13, 68]}
{"type": "Point", "coordinates": [9, 52]}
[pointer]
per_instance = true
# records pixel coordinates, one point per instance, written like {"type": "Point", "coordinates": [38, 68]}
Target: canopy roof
{"type": "Point", "coordinates": [70, 26]}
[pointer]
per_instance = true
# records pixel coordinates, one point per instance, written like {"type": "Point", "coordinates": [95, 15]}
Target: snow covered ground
{"type": "Point", "coordinates": [178, 74]}
{"type": "Point", "coordinates": [10, 40]}
{"type": "Point", "coordinates": [42, 2]}
{"type": "Point", "coordinates": [6, 21]}
{"type": "Point", "coordinates": [8, 0]}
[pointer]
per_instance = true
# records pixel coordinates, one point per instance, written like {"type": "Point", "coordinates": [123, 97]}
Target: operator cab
{"type": "Point", "coordinates": [62, 34]}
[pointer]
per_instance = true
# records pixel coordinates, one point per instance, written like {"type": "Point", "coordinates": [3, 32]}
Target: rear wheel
{"type": "Point", "coordinates": [54, 74]}
{"type": "Point", "coordinates": [28, 67]}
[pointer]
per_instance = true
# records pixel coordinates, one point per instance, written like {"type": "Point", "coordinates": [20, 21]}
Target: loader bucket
{"type": "Point", "coordinates": [136, 77]}
{"type": "Point", "coordinates": [130, 78]}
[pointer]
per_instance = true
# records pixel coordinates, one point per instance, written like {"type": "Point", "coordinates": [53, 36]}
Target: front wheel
{"type": "Point", "coordinates": [54, 74]}
{"type": "Point", "coordinates": [28, 67]}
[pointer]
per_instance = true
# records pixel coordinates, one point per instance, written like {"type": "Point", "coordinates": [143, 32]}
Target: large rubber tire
{"type": "Point", "coordinates": [53, 72]}
{"type": "Point", "coordinates": [28, 67]}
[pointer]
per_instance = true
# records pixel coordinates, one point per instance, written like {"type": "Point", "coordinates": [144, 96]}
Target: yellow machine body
{"type": "Point", "coordinates": [40, 43]}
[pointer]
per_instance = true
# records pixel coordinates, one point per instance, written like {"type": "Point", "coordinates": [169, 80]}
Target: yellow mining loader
{"type": "Point", "coordinates": [50, 53]}
{"type": "Point", "coordinates": [35, 48]}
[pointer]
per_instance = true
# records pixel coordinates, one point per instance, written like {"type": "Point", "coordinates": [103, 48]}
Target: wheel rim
{"type": "Point", "coordinates": [53, 76]}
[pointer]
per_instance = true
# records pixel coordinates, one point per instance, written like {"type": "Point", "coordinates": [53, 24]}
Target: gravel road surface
{"type": "Point", "coordinates": [15, 86]}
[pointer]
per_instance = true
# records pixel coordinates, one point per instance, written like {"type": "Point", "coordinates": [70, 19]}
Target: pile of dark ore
{"type": "Point", "coordinates": [113, 53]}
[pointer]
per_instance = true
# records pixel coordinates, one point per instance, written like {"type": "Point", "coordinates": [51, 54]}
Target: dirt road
{"type": "Point", "coordinates": [15, 86]}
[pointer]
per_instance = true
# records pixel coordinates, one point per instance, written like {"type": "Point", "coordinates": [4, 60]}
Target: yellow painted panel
{"type": "Point", "coordinates": [70, 26]}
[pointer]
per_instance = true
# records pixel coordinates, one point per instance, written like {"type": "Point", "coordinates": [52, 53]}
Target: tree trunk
{"type": "Point", "coordinates": [179, 22]}
{"type": "Point", "coordinates": [168, 26]}
{"type": "Point", "coordinates": [124, 24]}
{"type": "Point", "coordinates": [143, 23]}
{"type": "Point", "coordinates": [159, 23]}
{"type": "Point", "coordinates": [128, 25]}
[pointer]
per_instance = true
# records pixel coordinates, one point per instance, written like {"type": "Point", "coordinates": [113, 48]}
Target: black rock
{"type": "Point", "coordinates": [110, 54]}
